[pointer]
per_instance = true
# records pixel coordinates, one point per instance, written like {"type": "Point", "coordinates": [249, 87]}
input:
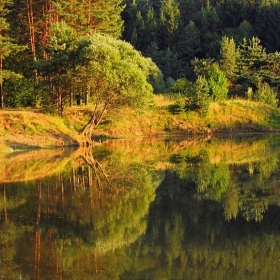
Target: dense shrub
{"type": "Point", "coordinates": [195, 95]}
{"type": "Point", "coordinates": [266, 94]}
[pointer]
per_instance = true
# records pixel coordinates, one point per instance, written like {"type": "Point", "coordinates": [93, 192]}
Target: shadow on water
{"type": "Point", "coordinates": [143, 209]}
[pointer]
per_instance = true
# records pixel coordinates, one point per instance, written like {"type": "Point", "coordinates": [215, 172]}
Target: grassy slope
{"type": "Point", "coordinates": [25, 129]}
{"type": "Point", "coordinates": [230, 116]}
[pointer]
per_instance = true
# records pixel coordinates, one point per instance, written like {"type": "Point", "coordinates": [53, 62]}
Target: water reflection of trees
{"type": "Point", "coordinates": [191, 240]}
{"type": "Point", "coordinates": [89, 222]}
{"type": "Point", "coordinates": [246, 188]}
{"type": "Point", "coordinates": [81, 215]}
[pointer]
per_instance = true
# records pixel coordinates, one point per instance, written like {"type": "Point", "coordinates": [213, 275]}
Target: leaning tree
{"type": "Point", "coordinates": [116, 74]}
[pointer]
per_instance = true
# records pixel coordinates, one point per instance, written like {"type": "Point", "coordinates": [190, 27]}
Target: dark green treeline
{"type": "Point", "coordinates": [171, 32]}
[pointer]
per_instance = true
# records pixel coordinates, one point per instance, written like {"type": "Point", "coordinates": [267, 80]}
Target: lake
{"type": "Point", "coordinates": [162, 209]}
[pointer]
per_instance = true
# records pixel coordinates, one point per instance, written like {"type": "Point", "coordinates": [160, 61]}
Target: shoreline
{"type": "Point", "coordinates": [33, 129]}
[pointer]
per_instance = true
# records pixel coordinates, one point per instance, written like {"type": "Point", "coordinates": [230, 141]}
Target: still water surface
{"type": "Point", "coordinates": [143, 209]}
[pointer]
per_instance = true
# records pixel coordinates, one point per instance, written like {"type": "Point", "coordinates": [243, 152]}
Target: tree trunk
{"type": "Point", "coordinates": [1, 96]}
{"type": "Point", "coordinates": [5, 206]}
{"type": "Point", "coordinates": [32, 44]}
{"type": "Point", "coordinates": [87, 131]}
{"type": "Point", "coordinates": [87, 95]}
{"type": "Point", "coordinates": [37, 232]}
{"type": "Point", "coordinates": [1, 85]}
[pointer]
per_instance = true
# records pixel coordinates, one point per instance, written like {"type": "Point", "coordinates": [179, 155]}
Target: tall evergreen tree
{"type": "Point", "coordinates": [267, 25]}
{"type": "Point", "coordinates": [170, 21]}
{"type": "Point", "coordinates": [189, 45]}
{"type": "Point", "coordinates": [188, 9]}
{"type": "Point", "coordinates": [87, 15]}
{"type": "Point", "coordinates": [208, 22]}
{"type": "Point", "coordinates": [252, 58]}
{"type": "Point", "coordinates": [7, 47]}
{"type": "Point", "coordinates": [56, 69]}
{"type": "Point", "coordinates": [229, 56]}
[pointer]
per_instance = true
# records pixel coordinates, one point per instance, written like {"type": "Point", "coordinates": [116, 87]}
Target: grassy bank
{"type": "Point", "coordinates": [26, 129]}
{"type": "Point", "coordinates": [33, 130]}
{"type": "Point", "coordinates": [230, 116]}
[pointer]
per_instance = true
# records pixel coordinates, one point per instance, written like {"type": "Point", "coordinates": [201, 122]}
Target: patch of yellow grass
{"type": "Point", "coordinates": [163, 100]}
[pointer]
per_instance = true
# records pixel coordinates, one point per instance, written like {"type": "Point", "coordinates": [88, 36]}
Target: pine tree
{"type": "Point", "coordinates": [7, 47]}
{"type": "Point", "coordinates": [267, 26]}
{"type": "Point", "coordinates": [189, 45]}
{"type": "Point", "coordinates": [88, 15]}
{"type": "Point", "coordinates": [228, 56]}
{"type": "Point", "coordinates": [252, 58]}
{"type": "Point", "coordinates": [170, 21]}
{"type": "Point", "coordinates": [56, 69]}
{"type": "Point", "coordinates": [208, 22]}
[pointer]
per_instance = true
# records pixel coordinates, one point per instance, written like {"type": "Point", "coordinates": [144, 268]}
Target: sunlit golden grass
{"type": "Point", "coordinates": [163, 100]}
{"type": "Point", "coordinates": [22, 129]}
{"type": "Point", "coordinates": [227, 116]}
{"type": "Point", "coordinates": [238, 112]}
{"type": "Point", "coordinates": [31, 129]}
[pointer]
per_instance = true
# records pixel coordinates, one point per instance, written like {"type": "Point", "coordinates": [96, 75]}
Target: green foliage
{"type": "Point", "coordinates": [170, 82]}
{"type": "Point", "coordinates": [200, 98]}
{"type": "Point", "coordinates": [229, 56]}
{"type": "Point", "coordinates": [55, 68]}
{"type": "Point", "coordinates": [266, 94]}
{"type": "Point", "coordinates": [216, 79]}
{"type": "Point", "coordinates": [208, 22]}
{"type": "Point", "coordinates": [218, 83]}
{"type": "Point", "coordinates": [172, 33]}
{"type": "Point", "coordinates": [251, 59]}
{"type": "Point", "coordinates": [7, 47]}
{"type": "Point", "coordinates": [154, 75]}
{"type": "Point", "coordinates": [167, 60]}
{"type": "Point", "coordinates": [244, 30]}
{"type": "Point", "coordinates": [169, 22]}
{"type": "Point", "coordinates": [191, 96]}
{"type": "Point", "coordinates": [182, 86]}
{"type": "Point", "coordinates": [107, 62]}
{"type": "Point", "coordinates": [19, 93]}
{"type": "Point", "coordinates": [190, 46]}
{"type": "Point", "coordinates": [267, 25]}
{"type": "Point", "coordinates": [196, 95]}
{"type": "Point", "coordinates": [84, 16]}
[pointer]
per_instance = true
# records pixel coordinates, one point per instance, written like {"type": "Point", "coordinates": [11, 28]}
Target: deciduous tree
{"type": "Point", "coordinates": [117, 74]}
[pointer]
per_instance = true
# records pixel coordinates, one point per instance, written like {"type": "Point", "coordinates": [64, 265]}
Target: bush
{"type": "Point", "coordinates": [19, 94]}
{"type": "Point", "coordinates": [200, 99]}
{"type": "Point", "coordinates": [266, 94]}
{"type": "Point", "coordinates": [182, 86]}
{"type": "Point", "coordinates": [218, 84]}
{"type": "Point", "coordinates": [195, 96]}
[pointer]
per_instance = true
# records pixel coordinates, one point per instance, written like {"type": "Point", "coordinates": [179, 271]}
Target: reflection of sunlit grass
{"type": "Point", "coordinates": [159, 152]}
{"type": "Point", "coordinates": [33, 164]}
{"type": "Point", "coordinates": [232, 152]}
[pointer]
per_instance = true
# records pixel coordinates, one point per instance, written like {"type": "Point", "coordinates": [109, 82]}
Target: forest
{"type": "Point", "coordinates": [56, 54]}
